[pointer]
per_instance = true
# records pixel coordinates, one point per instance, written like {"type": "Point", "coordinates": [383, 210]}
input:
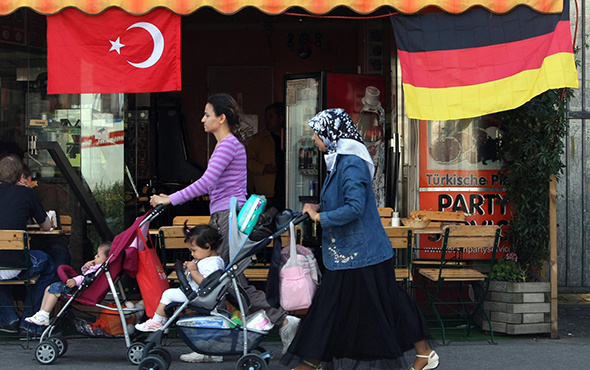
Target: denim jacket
{"type": "Point", "coordinates": [352, 233]}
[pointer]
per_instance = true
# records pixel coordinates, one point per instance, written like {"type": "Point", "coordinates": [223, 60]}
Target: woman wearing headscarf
{"type": "Point", "coordinates": [360, 318]}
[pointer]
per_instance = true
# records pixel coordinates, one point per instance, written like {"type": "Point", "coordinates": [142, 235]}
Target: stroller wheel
{"type": "Point", "coordinates": [162, 353]}
{"type": "Point", "coordinates": [46, 352]}
{"type": "Point", "coordinates": [61, 343]}
{"type": "Point", "coordinates": [251, 362]}
{"type": "Point", "coordinates": [153, 363]}
{"type": "Point", "coordinates": [135, 352]}
{"type": "Point", "coordinates": [262, 353]}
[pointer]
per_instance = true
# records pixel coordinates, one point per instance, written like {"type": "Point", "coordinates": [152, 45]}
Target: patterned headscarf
{"type": "Point", "coordinates": [340, 135]}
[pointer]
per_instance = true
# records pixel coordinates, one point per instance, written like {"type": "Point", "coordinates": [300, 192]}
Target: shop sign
{"type": "Point", "coordinates": [459, 172]}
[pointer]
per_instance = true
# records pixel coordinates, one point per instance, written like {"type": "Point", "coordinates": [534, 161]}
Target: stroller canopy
{"type": "Point", "coordinates": [124, 258]}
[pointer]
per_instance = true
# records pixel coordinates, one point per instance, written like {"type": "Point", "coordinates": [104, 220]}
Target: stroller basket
{"type": "Point", "coordinates": [212, 336]}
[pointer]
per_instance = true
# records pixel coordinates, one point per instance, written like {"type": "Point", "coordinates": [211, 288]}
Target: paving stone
{"type": "Point", "coordinates": [505, 297]}
{"type": "Point", "coordinates": [528, 328]}
{"type": "Point", "coordinates": [512, 318]}
{"type": "Point", "coordinates": [532, 318]}
{"type": "Point", "coordinates": [529, 287]}
{"type": "Point", "coordinates": [533, 297]}
{"type": "Point", "coordinates": [528, 307]}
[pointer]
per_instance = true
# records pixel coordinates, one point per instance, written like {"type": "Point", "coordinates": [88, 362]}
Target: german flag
{"type": "Point", "coordinates": [476, 63]}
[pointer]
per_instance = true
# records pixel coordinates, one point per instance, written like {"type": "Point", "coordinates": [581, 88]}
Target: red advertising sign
{"type": "Point", "coordinates": [482, 208]}
{"type": "Point", "coordinates": [459, 172]}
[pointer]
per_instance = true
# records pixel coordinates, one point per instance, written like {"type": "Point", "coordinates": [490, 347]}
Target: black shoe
{"type": "Point", "coordinates": [10, 328]}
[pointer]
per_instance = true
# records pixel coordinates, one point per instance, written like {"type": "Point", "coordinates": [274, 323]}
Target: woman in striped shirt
{"type": "Point", "coordinates": [226, 177]}
{"type": "Point", "coordinates": [226, 172]}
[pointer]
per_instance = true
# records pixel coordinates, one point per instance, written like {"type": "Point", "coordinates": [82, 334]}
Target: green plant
{"type": "Point", "coordinates": [508, 269]}
{"type": "Point", "coordinates": [110, 199]}
{"type": "Point", "coordinates": [531, 149]}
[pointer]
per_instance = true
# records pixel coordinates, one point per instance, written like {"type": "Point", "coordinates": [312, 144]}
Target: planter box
{"type": "Point", "coordinates": [518, 308]}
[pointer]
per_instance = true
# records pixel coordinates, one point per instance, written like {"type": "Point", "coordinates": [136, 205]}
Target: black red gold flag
{"type": "Point", "coordinates": [476, 63]}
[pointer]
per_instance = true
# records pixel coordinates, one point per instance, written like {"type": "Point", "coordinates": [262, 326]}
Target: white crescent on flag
{"type": "Point", "coordinates": [157, 38]}
{"type": "Point", "coordinates": [150, 61]}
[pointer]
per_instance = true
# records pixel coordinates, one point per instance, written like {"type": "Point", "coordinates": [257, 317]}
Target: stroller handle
{"type": "Point", "coordinates": [296, 220]}
{"type": "Point", "coordinates": [299, 219]}
{"type": "Point", "coordinates": [153, 214]}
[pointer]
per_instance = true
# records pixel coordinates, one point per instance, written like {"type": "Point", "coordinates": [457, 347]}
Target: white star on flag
{"type": "Point", "coordinates": [116, 45]}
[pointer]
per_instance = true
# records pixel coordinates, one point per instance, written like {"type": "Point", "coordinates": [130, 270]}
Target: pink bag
{"type": "Point", "coordinates": [299, 276]}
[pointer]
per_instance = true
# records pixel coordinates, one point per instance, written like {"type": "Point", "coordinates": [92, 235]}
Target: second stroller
{"type": "Point", "coordinates": [215, 333]}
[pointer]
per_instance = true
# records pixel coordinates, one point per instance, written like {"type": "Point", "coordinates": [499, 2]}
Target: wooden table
{"type": "Point", "coordinates": [37, 231]}
{"type": "Point", "coordinates": [433, 230]}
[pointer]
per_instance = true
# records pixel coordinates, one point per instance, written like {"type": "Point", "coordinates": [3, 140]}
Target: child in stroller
{"type": "Point", "coordinates": [55, 290]}
{"type": "Point", "coordinates": [213, 332]}
{"type": "Point", "coordinates": [122, 258]}
{"type": "Point", "coordinates": [202, 241]}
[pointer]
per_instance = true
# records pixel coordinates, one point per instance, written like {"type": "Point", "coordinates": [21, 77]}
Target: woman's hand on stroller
{"type": "Point", "coordinates": [311, 209]}
{"type": "Point", "coordinates": [159, 199]}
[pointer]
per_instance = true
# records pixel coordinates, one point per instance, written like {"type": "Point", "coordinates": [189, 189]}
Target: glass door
{"type": "Point", "coordinates": [303, 162]}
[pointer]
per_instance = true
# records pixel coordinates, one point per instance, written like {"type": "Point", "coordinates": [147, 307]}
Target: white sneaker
{"type": "Point", "coordinates": [38, 319]}
{"type": "Point", "coordinates": [197, 357]}
{"type": "Point", "coordinates": [149, 326]}
{"type": "Point", "coordinates": [288, 331]}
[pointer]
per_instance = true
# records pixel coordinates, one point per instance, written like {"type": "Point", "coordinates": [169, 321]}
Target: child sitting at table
{"type": "Point", "coordinates": [202, 241]}
{"type": "Point", "coordinates": [67, 286]}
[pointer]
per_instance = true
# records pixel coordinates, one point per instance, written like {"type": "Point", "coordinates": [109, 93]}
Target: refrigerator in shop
{"type": "Point", "coordinates": [362, 96]}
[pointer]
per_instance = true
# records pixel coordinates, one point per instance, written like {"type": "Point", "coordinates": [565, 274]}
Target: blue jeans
{"type": "Point", "coordinates": [55, 248]}
{"type": "Point", "coordinates": [41, 264]}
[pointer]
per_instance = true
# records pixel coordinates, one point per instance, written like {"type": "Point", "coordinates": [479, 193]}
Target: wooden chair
{"type": "Point", "coordinates": [18, 240]}
{"type": "Point", "coordinates": [65, 222]}
{"type": "Point", "coordinates": [401, 241]}
{"type": "Point", "coordinates": [456, 270]}
{"type": "Point", "coordinates": [438, 218]}
{"type": "Point", "coordinates": [385, 214]}
{"type": "Point", "coordinates": [191, 220]}
{"type": "Point", "coordinates": [172, 248]}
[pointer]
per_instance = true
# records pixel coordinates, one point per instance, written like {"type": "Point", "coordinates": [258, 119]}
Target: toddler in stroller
{"type": "Point", "coordinates": [202, 241]}
{"type": "Point", "coordinates": [214, 333]}
{"type": "Point", "coordinates": [67, 285]}
{"type": "Point", "coordinates": [123, 257]}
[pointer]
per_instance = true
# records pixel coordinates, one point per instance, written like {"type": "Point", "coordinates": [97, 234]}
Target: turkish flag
{"type": "Point", "coordinates": [114, 52]}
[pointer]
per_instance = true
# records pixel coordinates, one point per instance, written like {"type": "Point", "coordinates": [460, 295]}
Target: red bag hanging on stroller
{"type": "Point", "coordinates": [151, 277]}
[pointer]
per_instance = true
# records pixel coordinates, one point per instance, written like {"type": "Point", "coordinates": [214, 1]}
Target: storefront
{"type": "Point", "coordinates": [126, 145]}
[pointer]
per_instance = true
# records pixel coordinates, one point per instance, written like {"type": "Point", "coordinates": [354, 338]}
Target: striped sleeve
{"type": "Point", "coordinates": [221, 157]}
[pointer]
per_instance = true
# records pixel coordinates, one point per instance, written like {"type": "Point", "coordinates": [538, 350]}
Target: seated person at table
{"type": "Point", "coordinates": [68, 284]}
{"type": "Point", "coordinates": [19, 203]}
{"type": "Point", "coordinates": [53, 245]}
{"type": "Point", "coordinates": [26, 178]}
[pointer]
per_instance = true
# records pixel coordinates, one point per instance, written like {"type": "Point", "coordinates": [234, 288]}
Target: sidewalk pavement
{"type": "Point", "coordinates": [570, 351]}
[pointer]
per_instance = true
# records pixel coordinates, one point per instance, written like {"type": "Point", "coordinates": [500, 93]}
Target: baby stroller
{"type": "Point", "coordinates": [93, 290]}
{"type": "Point", "coordinates": [215, 333]}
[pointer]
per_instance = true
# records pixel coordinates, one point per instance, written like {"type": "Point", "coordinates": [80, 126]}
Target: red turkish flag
{"type": "Point", "coordinates": [114, 52]}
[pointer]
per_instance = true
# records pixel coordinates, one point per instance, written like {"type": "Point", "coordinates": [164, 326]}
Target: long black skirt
{"type": "Point", "coordinates": [359, 319]}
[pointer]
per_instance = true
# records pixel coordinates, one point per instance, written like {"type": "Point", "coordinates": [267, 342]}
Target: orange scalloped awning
{"type": "Point", "coordinates": [275, 6]}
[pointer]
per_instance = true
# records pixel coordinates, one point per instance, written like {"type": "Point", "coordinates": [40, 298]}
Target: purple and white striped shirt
{"type": "Point", "coordinates": [225, 177]}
